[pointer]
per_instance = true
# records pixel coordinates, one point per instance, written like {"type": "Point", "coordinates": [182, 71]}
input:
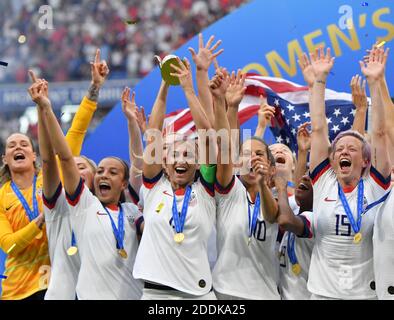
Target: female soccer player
{"type": "Point", "coordinates": [179, 211]}
{"type": "Point", "coordinates": [344, 191]}
{"type": "Point", "coordinates": [27, 265]}
{"type": "Point", "coordinates": [246, 267]}
{"type": "Point", "coordinates": [104, 228]}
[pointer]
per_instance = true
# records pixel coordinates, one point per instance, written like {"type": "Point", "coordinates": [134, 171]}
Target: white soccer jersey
{"type": "Point", "coordinates": [104, 275]}
{"type": "Point", "coordinates": [64, 268]}
{"type": "Point", "coordinates": [184, 266]}
{"type": "Point", "coordinates": [292, 286]}
{"type": "Point", "coordinates": [383, 248]}
{"type": "Point", "coordinates": [248, 272]}
{"type": "Point", "coordinates": [339, 267]}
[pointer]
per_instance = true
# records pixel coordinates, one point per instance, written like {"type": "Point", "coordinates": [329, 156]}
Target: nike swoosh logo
{"type": "Point", "coordinates": [6, 209]}
{"type": "Point", "coordinates": [101, 213]}
{"type": "Point", "coordinates": [167, 194]}
{"type": "Point", "coordinates": [330, 200]}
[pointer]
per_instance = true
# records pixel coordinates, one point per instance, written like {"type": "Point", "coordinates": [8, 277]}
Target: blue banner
{"type": "Point", "coordinates": [267, 37]}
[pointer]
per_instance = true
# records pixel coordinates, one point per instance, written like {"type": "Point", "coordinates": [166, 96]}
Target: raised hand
{"type": "Point", "coordinates": [265, 113]}
{"type": "Point", "coordinates": [39, 91]}
{"type": "Point", "coordinates": [205, 55]}
{"type": "Point", "coordinates": [307, 70]}
{"type": "Point", "coordinates": [141, 119]}
{"type": "Point", "coordinates": [359, 95]}
{"type": "Point", "coordinates": [281, 178]}
{"type": "Point", "coordinates": [304, 137]}
{"type": "Point", "coordinates": [322, 63]}
{"type": "Point", "coordinates": [129, 108]}
{"type": "Point", "coordinates": [183, 73]}
{"type": "Point", "coordinates": [260, 167]}
{"type": "Point", "coordinates": [374, 69]}
{"type": "Point", "coordinates": [236, 89]}
{"type": "Point", "coordinates": [99, 70]}
{"type": "Point", "coordinates": [219, 83]}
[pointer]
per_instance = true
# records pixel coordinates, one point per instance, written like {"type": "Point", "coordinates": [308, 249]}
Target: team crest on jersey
{"type": "Point", "coordinates": [193, 199]}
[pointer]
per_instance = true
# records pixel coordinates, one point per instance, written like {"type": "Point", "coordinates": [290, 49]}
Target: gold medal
{"type": "Point", "coordinates": [296, 268]}
{"type": "Point", "coordinates": [39, 236]}
{"type": "Point", "coordinates": [357, 237]}
{"type": "Point", "coordinates": [72, 250]}
{"type": "Point", "coordinates": [179, 237]}
{"type": "Point", "coordinates": [122, 253]}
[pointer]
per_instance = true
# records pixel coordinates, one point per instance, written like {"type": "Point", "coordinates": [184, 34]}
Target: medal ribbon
{"type": "Point", "coordinates": [30, 214]}
{"type": "Point", "coordinates": [73, 240]}
{"type": "Point", "coordinates": [291, 248]}
{"type": "Point", "coordinates": [290, 184]}
{"type": "Point", "coordinates": [118, 232]}
{"type": "Point", "coordinates": [179, 219]}
{"type": "Point", "coordinates": [356, 226]}
{"type": "Point", "coordinates": [253, 220]}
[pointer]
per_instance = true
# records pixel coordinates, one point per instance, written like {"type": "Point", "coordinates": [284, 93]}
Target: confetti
{"type": "Point", "coordinates": [22, 39]}
{"type": "Point", "coordinates": [381, 44]}
{"type": "Point", "coordinates": [10, 249]}
{"type": "Point", "coordinates": [364, 4]}
{"type": "Point", "coordinates": [3, 277]}
{"type": "Point", "coordinates": [129, 22]}
{"type": "Point", "coordinates": [4, 63]}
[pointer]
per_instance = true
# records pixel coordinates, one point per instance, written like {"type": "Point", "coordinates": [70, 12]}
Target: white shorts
{"type": "Point", "coordinates": [222, 296]}
{"type": "Point", "coordinates": [156, 294]}
{"type": "Point", "coordinates": [318, 297]}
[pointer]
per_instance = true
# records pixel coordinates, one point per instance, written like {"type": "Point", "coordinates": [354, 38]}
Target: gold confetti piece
{"type": "Point", "coordinates": [12, 247]}
{"type": "Point", "coordinates": [131, 21]}
{"type": "Point", "coordinates": [381, 44]}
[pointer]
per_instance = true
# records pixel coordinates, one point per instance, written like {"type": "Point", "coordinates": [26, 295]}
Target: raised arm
{"type": "Point", "coordinates": [203, 59]}
{"type": "Point", "coordinates": [219, 86]}
{"type": "Point", "coordinates": [80, 124]}
{"type": "Point", "coordinates": [183, 73]}
{"type": "Point", "coordinates": [234, 95]}
{"type": "Point", "coordinates": [264, 170]}
{"type": "Point", "coordinates": [359, 98]}
{"type": "Point", "coordinates": [265, 114]}
{"type": "Point", "coordinates": [39, 94]}
{"type": "Point", "coordinates": [304, 146]}
{"type": "Point", "coordinates": [389, 110]}
{"type": "Point", "coordinates": [374, 72]}
{"type": "Point", "coordinates": [69, 168]}
{"type": "Point", "coordinates": [322, 63]}
{"type": "Point", "coordinates": [130, 110]}
{"type": "Point", "coordinates": [286, 218]}
{"type": "Point", "coordinates": [153, 134]}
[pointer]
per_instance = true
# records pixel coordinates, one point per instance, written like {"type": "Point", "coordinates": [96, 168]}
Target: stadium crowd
{"type": "Point", "coordinates": [81, 26]}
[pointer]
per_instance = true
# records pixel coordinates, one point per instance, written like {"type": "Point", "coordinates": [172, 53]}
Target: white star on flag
{"type": "Point", "coordinates": [345, 121]}
{"type": "Point", "coordinates": [337, 112]}
{"type": "Point", "coordinates": [329, 120]}
{"type": "Point", "coordinates": [296, 117]}
{"type": "Point", "coordinates": [290, 107]}
{"type": "Point", "coordinates": [353, 112]}
{"type": "Point", "coordinates": [279, 139]}
{"type": "Point", "coordinates": [335, 128]}
{"type": "Point", "coordinates": [276, 102]}
{"type": "Point", "coordinates": [307, 115]}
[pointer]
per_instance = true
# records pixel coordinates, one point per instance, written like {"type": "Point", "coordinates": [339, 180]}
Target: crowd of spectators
{"type": "Point", "coordinates": [80, 26]}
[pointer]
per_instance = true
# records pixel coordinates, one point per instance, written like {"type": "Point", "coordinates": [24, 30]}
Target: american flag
{"type": "Point", "coordinates": [291, 102]}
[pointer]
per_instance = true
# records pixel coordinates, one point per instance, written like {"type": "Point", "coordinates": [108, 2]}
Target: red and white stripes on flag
{"type": "Point", "coordinates": [181, 121]}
